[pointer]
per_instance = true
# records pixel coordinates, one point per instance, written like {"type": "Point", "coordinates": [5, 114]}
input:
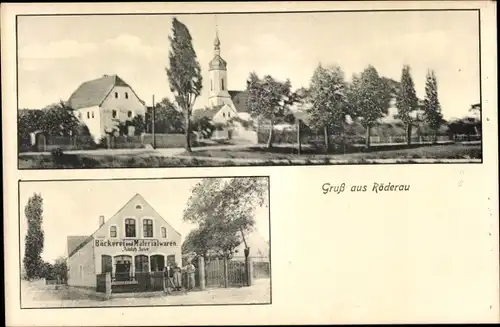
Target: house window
{"type": "Point", "coordinates": [92, 114]}
{"type": "Point", "coordinates": [163, 232]}
{"type": "Point", "coordinates": [147, 227]}
{"type": "Point", "coordinates": [129, 227]}
{"type": "Point", "coordinates": [80, 115]}
{"type": "Point", "coordinates": [211, 85]}
{"type": "Point", "coordinates": [114, 113]}
{"type": "Point", "coordinates": [141, 263]}
{"type": "Point", "coordinates": [88, 114]}
{"type": "Point", "coordinates": [224, 114]}
{"type": "Point", "coordinates": [129, 114]}
{"type": "Point", "coordinates": [126, 95]}
{"type": "Point", "coordinates": [116, 95]}
{"type": "Point", "coordinates": [157, 262]}
{"type": "Point", "coordinates": [222, 84]}
{"type": "Point", "coordinates": [138, 207]}
{"type": "Point", "coordinates": [112, 231]}
{"type": "Point", "coordinates": [229, 114]}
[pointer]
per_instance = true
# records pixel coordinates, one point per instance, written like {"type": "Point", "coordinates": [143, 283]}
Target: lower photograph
{"type": "Point", "coordinates": [144, 242]}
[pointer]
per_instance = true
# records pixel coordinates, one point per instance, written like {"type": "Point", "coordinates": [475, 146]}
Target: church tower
{"type": "Point", "coordinates": [218, 78]}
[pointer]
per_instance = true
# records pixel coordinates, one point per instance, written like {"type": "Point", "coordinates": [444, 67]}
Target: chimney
{"type": "Point", "coordinates": [101, 221]}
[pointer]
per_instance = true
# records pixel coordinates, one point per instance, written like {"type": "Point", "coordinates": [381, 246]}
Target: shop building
{"type": "Point", "coordinates": [134, 241]}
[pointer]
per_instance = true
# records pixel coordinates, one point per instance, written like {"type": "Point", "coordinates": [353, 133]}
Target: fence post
{"type": "Point", "coordinates": [201, 272]}
{"type": "Point", "coordinates": [249, 270]}
{"type": "Point", "coordinates": [108, 285]}
{"type": "Point", "coordinates": [225, 273]}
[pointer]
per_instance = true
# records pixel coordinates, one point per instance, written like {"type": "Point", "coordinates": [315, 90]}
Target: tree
{"type": "Point", "coordinates": [184, 73]}
{"type": "Point", "coordinates": [34, 238]}
{"type": "Point", "coordinates": [224, 211]}
{"type": "Point", "coordinates": [432, 107]}
{"type": "Point", "coordinates": [369, 98]}
{"type": "Point", "coordinates": [327, 94]}
{"type": "Point", "coordinates": [406, 101]}
{"type": "Point", "coordinates": [268, 99]}
{"type": "Point", "coordinates": [168, 119]}
{"type": "Point", "coordinates": [61, 269]}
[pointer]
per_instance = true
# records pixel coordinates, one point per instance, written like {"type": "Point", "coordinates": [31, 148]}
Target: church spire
{"type": "Point", "coordinates": [216, 41]}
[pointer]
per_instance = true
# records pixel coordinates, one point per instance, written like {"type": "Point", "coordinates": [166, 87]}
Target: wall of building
{"type": "Point", "coordinates": [120, 109]}
{"type": "Point", "coordinates": [81, 266]}
{"type": "Point", "coordinates": [224, 115]}
{"type": "Point", "coordinates": [91, 117]}
{"type": "Point", "coordinates": [105, 244]}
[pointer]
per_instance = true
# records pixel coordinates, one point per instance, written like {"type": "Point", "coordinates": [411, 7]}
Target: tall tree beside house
{"type": "Point", "coordinates": [268, 99]}
{"type": "Point", "coordinates": [224, 210]}
{"type": "Point", "coordinates": [432, 107]}
{"type": "Point", "coordinates": [184, 73]}
{"type": "Point", "coordinates": [34, 240]}
{"type": "Point", "coordinates": [327, 93]}
{"type": "Point", "coordinates": [369, 98]}
{"type": "Point", "coordinates": [406, 101]}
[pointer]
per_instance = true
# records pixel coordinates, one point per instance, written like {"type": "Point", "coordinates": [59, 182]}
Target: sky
{"type": "Point", "coordinates": [72, 208]}
{"type": "Point", "coordinates": [57, 54]}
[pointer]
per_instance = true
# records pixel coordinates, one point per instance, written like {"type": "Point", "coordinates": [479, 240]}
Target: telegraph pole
{"type": "Point", "coordinates": [153, 123]}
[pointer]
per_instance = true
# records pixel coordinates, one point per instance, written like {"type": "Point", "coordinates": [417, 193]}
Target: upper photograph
{"type": "Point", "coordinates": [248, 89]}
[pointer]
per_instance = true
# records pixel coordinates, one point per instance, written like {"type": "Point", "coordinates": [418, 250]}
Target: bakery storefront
{"type": "Point", "coordinates": [134, 243]}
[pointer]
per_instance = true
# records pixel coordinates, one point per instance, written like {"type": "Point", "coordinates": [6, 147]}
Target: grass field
{"type": "Point", "coordinates": [451, 151]}
{"type": "Point", "coordinates": [230, 157]}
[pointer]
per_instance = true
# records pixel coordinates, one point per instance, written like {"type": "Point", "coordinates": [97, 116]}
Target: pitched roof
{"type": "Point", "coordinates": [83, 240]}
{"type": "Point", "coordinates": [92, 93]}
{"type": "Point", "coordinates": [74, 242]}
{"type": "Point", "coordinates": [239, 99]}
{"type": "Point", "coordinates": [207, 112]}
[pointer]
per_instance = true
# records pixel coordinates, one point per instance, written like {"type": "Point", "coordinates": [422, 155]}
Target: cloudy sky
{"type": "Point", "coordinates": [56, 54]}
{"type": "Point", "coordinates": [74, 207]}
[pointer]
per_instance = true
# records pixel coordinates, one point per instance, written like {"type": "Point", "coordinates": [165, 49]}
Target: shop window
{"type": "Point", "coordinates": [141, 263]}
{"type": "Point", "coordinates": [129, 227]}
{"type": "Point", "coordinates": [122, 267]}
{"type": "Point", "coordinates": [147, 227]}
{"type": "Point", "coordinates": [106, 264]}
{"type": "Point", "coordinates": [112, 232]}
{"type": "Point", "coordinates": [163, 232]}
{"type": "Point", "coordinates": [157, 262]}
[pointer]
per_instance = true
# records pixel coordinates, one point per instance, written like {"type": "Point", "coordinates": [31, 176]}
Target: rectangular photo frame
{"type": "Point", "coordinates": [154, 242]}
{"type": "Point", "coordinates": [114, 100]}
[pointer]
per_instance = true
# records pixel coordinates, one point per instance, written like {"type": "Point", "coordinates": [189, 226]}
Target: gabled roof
{"type": "Point", "coordinates": [239, 99]}
{"type": "Point", "coordinates": [74, 242]}
{"type": "Point", "coordinates": [207, 112]}
{"type": "Point", "coordinates": [86, 239]}
{"type": "Point", "coordinates": [94, 92]}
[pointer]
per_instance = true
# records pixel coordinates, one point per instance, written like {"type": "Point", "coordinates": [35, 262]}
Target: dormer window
{"type": "Point", "coordinates": [116, 95]}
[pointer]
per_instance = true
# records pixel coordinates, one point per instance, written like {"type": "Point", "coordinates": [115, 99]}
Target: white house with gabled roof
{"type": "Point", "coordinates": [104, 102]}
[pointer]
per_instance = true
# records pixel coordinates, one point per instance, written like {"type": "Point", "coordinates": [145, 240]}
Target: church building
{"type": "Point", "coordinates": [224, 105]}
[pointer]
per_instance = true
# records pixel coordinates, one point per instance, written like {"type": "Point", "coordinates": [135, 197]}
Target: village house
{"type": "Point", "coordinates": [225, 107]}
{"type": "Point", "coordinates": [103, 103]}
{"type": "Point", "coordinates": [135, 240]}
